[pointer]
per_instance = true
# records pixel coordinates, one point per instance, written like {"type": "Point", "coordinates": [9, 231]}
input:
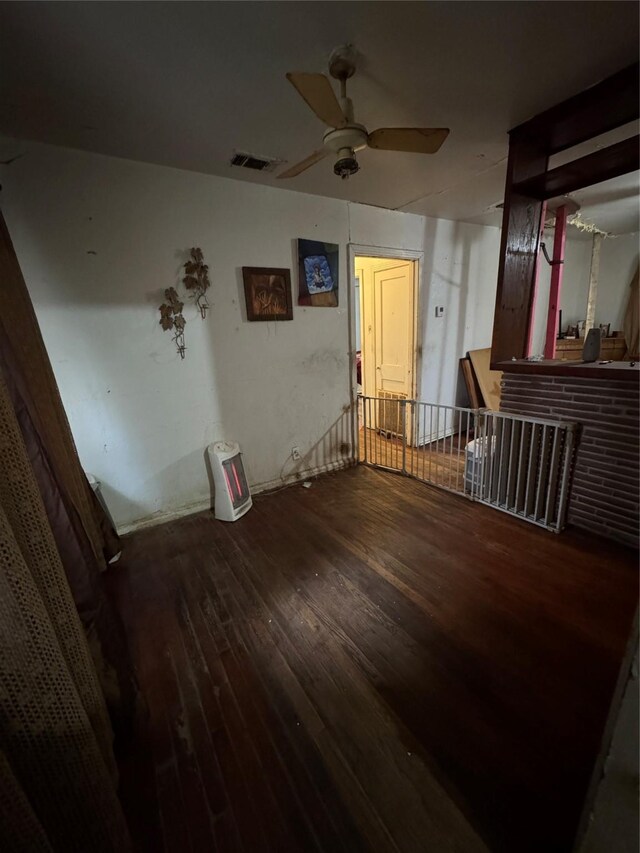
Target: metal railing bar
{"type": "Point", "coordinates": [553, 478]}
{"type": "Point", "coordinates": [440, 405]}
{"type": "Point", "coordinates": [473, 454]}
{"type": "Point", "coordinates": [501, 465]}
{"type": "Point", "coordinates": [430, 434]}
{"type": "Point", "coordinates": [533, 453]}
{"type": "Point", "coordinates": [524, 432]}
{"type": "Point", "coordinates": [474, 429]}
{"type": "Point", "coordinates": [498, 459]}
{"type": "Point", "coordinates": [393, 446]}
{"type": "Point", "coordinates": [451, 427]}
{"type": "Point", "coordinates": [394, 436]}
{"type": "Point", "coordinates": [373, 431]}
{"type": "Point", "coordinates": [437, 461]}
{"type": "Point", "coordinates": [402, 414]}
{"type": "Point", "coordinates": [491, 451]}
{"type": "Point", "coordinates": [526, 418]}
{"type": "Point", "coordinates": [414, 435]}
{"type": "Point", "coordinates": [423, 445]}
{"type": "Point", "coordinates": [542, 472]}
{"type": "Point", "coordinates": [364, 429]}
{"type": "Point", "coordinates": [484, 450]}
{"type": "Point", "coordinates": [458, 457]}
{"type": "Point", "coordinates": [402, 428]}
{"type": "Point", "coordinates": [509, 499]}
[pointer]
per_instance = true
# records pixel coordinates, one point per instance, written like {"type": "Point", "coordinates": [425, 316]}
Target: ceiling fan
{"type": "Point", "coordinates": [345, 136]}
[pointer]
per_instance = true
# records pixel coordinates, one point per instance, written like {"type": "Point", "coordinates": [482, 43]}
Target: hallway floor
{"type": "Point", "coordinates": [368, 664]}
{"type": "Point", "coordinates": [439, 463]}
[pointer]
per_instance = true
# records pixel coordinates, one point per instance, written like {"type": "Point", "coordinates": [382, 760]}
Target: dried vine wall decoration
{"type": "Point", "coordinates": [171, 318]}
{"type": "Point", "coordinates": [197, 281]}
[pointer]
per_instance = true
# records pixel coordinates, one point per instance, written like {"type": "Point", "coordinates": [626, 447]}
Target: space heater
{"type": "Point", "coordinates": [232, 495]}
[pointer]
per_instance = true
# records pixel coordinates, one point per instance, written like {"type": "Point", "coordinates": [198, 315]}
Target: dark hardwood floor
{"type": "Point", "coordinates": [368, 664]}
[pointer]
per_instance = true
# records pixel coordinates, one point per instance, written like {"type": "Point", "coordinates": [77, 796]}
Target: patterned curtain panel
{"type": "Point", "coordinates": [20, 328]}
{"type": "Point", "coordinates": [57, 770]}
{"type": "Point", "coordinates": [81, 529]}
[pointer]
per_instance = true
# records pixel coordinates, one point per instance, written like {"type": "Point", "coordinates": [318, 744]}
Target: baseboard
{"type": "Point", "coordinates": [301, 476]}
{"type": "Point", "coordinates": [163, 516]}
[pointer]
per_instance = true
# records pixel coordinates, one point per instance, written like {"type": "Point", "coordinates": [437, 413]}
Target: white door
{"type": "Point", "coordinates": [387, 325]}
{"type": "Point", "coordinates": [394, 321]}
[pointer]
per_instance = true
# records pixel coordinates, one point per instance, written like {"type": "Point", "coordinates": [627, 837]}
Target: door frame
{"type": "Point", "coordinates": [353, 250]}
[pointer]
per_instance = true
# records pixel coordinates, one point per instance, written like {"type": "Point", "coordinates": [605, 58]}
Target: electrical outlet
{"type": "Point", "coordinates": [295, 453]}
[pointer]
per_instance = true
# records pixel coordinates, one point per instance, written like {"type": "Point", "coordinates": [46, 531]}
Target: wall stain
{"type": "Point", "coordinates": [322, 360]}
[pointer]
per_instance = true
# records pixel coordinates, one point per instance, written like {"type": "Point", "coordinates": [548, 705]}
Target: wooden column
{"type": "Point", "coordinates": [593, 284]}
{"type": "Point", "coordinates": [521, 224]}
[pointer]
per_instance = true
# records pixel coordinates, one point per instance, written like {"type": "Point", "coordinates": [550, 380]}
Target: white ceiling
{"type": "Point", "coordinates": [185, 84]}
{"type": "Point", "coordinates": [611, 206]}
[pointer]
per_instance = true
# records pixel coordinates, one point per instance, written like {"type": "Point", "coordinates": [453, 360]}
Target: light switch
{"type": "Point", "coordinates": [439, 310]}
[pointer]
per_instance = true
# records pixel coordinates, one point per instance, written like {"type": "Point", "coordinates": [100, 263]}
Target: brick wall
{"type": "Point", "coordinates": [604, 496]}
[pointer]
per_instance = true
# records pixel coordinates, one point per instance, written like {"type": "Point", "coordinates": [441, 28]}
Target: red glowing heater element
{"type": "Point", "coordinates": [234, 464]}
{"type": "Point", "coordinates": [226, 476]}
{"type": "Point", "coordinates": [232, 494]}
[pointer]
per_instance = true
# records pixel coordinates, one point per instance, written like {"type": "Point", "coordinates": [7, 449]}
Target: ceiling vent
{"type": "Point", "coordinates": [251, 161]}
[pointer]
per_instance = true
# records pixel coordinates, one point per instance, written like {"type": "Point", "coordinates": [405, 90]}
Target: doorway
{"type": "Point", "coordinates": [386, 322]}
{"type": "Point", "coordinates": [386, 332]}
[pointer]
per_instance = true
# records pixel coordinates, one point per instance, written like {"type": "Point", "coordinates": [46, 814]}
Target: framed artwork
{"type": "Point", "coordinates": [317, 273]}
{"type": "Point", "coordinates": [267, 292]}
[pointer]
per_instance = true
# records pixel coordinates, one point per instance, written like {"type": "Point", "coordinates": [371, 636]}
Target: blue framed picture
{"type": "Point", "coordinates": [317, 273]}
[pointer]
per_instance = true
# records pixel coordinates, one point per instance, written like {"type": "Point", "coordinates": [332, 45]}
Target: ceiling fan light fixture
{"type": "Point", "coordinates": [346, 164]}
{"type": "Point", "coordinates": [344, 135]}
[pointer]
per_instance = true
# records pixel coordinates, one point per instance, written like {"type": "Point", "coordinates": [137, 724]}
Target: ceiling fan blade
{"type": "Point", "coordinates": [309, 161]}
{"type": "Point", "coordinates": [319, 95]}
{"type": "Point", "coordinates": [419, 140]}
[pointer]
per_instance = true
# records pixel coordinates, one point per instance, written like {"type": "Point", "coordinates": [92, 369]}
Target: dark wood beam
{"type": "Point", "coordinates": [610, 162]}
{"type": "Point", "coordinates": [609, 104]}
{"type": "Point", "coordinates": [518, 252]}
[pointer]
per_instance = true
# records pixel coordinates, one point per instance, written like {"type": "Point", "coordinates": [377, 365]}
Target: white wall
{"type": "Point", "coordinates": [611, 805]}
{"type": "Point", "coordinates": [618, 261]}
{"type": "Point", "coordinates": [460, 274]}
{"type": "Point", "coordinates": [99, 239]}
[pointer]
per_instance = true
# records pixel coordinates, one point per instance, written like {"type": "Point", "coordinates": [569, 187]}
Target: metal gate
{"type": "Point", "coordinates": [514, 463]}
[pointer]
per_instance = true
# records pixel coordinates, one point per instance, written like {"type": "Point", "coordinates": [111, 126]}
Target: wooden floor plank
{"type": "Point", "coordinates": [344, 698]}
{"type": "Point", "coordinates": [277, 796]}
{"type": "Point", "coordinates": [392, 659]}
{"type": "Point", "coordinates": [305, 719]}
{"type": "Point", "coordinates": [369, 665]}
{"type": "Point", "coordinates": [289, 795]}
